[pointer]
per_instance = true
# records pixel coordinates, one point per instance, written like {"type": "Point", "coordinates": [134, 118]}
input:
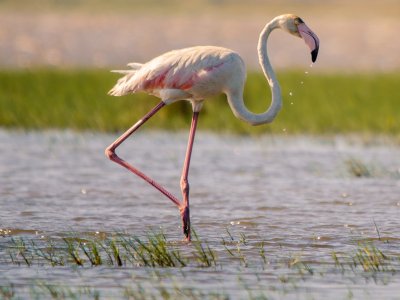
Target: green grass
{"type": "Point", "coordinates": [163, 266]}
{"type": "Point", "coordinates": [156, 251]}
{"type": "Point", "coordinates": [313, 104]}
{"type": "Point", "coordinates": [357, 168]}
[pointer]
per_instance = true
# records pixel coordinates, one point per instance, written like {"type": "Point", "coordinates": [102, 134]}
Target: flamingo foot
{"type": "Point", "coordinates": [185, 215]}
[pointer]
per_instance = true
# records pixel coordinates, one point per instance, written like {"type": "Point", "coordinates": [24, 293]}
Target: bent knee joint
{"type": "Point", "coordinates": [110, 153]}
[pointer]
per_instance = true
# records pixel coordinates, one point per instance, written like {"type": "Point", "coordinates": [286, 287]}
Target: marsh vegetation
{"type": "Point", "coordinates": [312, 104]}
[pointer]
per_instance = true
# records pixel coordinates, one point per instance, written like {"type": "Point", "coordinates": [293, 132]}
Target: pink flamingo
{"type": "Point", "coordinates": [195, 74]}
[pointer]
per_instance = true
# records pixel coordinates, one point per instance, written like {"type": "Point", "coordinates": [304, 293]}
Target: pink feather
{"type": "Point", "coordinates": [179, 69]}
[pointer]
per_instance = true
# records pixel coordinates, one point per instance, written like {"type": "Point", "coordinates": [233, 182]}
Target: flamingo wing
{"type": "Point", "coordinates": [178, 69]}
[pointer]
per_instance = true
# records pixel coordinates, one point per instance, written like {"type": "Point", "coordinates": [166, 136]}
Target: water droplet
{"type": "Point", "coordinates": [306, 72]}
{"type": "Point", "coordinates": [284, 129]}
{"type": "Point", "coordinates": [346, 225]}
{"type": "Point", "coordinates": [83, 191]}
{"type": "Point", "coordinates": [318, 237]}
{"type": "Point", "coordinates": [238, 222]}
{"type": "Point", "coordinates": [291, 103]}
{"type": "Point", "coordinates": [350, 203]}
{"type": "Point", "coordinates": [312, 64]}
{"type": "Point", "coordinates": [301, 82]}
{"type": "Point", "coordinates": [290, 94]}
{"type": "Point", "coordinates": [344, 195]}
{"type": "Point", "coordinates": [232, 223]}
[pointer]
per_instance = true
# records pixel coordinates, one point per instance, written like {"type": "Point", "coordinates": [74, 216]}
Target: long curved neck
{"type": "Point", "coordinates": [236, 101]}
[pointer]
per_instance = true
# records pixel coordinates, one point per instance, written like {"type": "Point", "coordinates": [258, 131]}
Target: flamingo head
{"type": "Point", "coordinates": [296, 26]}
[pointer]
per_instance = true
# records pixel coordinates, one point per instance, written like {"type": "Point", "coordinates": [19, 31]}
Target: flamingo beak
{"type": "Point", "coordinates": [310, 38]}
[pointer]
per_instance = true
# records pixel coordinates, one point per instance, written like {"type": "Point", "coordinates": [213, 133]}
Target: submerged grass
{"type": "Point", "coordinates": [154, 254]}
{"type": "Point", "coordinates": [367, 258]}
{"type": "Point", "coordinates": [357, 168]}
{"type": "Point", "coordinates": [119, 250]}
{"type": "Point", "coordinates": [313, 103]}
{"type": "Point", "coordinates": [156, 251]}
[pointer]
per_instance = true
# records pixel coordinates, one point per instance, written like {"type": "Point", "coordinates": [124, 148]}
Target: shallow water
{"type": "Point", "coordinates": [296, 194]}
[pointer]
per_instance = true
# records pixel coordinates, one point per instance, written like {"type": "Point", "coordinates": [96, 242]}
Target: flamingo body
{"type": "Point", "coordinates": [192, 74]}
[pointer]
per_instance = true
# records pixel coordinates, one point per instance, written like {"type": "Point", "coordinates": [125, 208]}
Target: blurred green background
{"type": "Point", "coordinates": [55, 56]}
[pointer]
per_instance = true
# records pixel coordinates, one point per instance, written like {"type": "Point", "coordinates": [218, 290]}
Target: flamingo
{"type": "Point", "coordinates": [195, 74]}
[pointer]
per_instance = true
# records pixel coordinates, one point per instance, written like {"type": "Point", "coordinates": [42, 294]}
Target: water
{"type": "Point", "coordinates": [296, 194]}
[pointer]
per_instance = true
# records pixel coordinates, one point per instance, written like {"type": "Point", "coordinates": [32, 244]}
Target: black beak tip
{"type": "Point", "coordinates": [314, 55]}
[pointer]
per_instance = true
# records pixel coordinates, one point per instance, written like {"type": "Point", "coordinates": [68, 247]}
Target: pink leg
{"type": "Point", "coordinates": [184, 208]}
{"type": "Point", "coordinates": [110, 153]}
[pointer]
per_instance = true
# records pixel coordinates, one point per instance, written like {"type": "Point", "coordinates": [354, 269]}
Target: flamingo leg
{"type": "Point", "coordinates": [110, 153]}
{"type": "Point", "coordinates": [184, 208]}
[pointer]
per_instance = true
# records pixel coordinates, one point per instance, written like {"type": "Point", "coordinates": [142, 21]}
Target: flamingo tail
{"type": "Point", "coordinates": [123, 87]}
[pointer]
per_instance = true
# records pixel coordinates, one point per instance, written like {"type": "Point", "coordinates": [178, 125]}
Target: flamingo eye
{"type": "Point", "coordinates": [298, 21]}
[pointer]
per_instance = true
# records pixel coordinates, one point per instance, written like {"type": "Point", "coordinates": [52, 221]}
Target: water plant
{"type": "Point", "coordinates": [48, 253]}
{"type": "Point", "coordinates": [204, 255]}
{"type": "Point", "coordinates": [21, 251]}
{"type": "Point", "coordinates": [357, 168]}
{"type": "Point", "coordinates": [7, 292]}
{"type": "Point", "coordinates": [164, 264]}
{"type": "Point", "coordinates": [371, 259]}
{"type": "Point", "coordinates": [42, 290]}
{"type": "Point", "coordinates": [367, 258]}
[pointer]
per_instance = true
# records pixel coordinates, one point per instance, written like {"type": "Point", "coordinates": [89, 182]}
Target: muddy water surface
{"type": "Point", "coordinates": [300, 196]}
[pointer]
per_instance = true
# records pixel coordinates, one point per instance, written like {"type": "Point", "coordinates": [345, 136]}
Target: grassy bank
{"type": "Point", "coordinates": [313, 104]}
